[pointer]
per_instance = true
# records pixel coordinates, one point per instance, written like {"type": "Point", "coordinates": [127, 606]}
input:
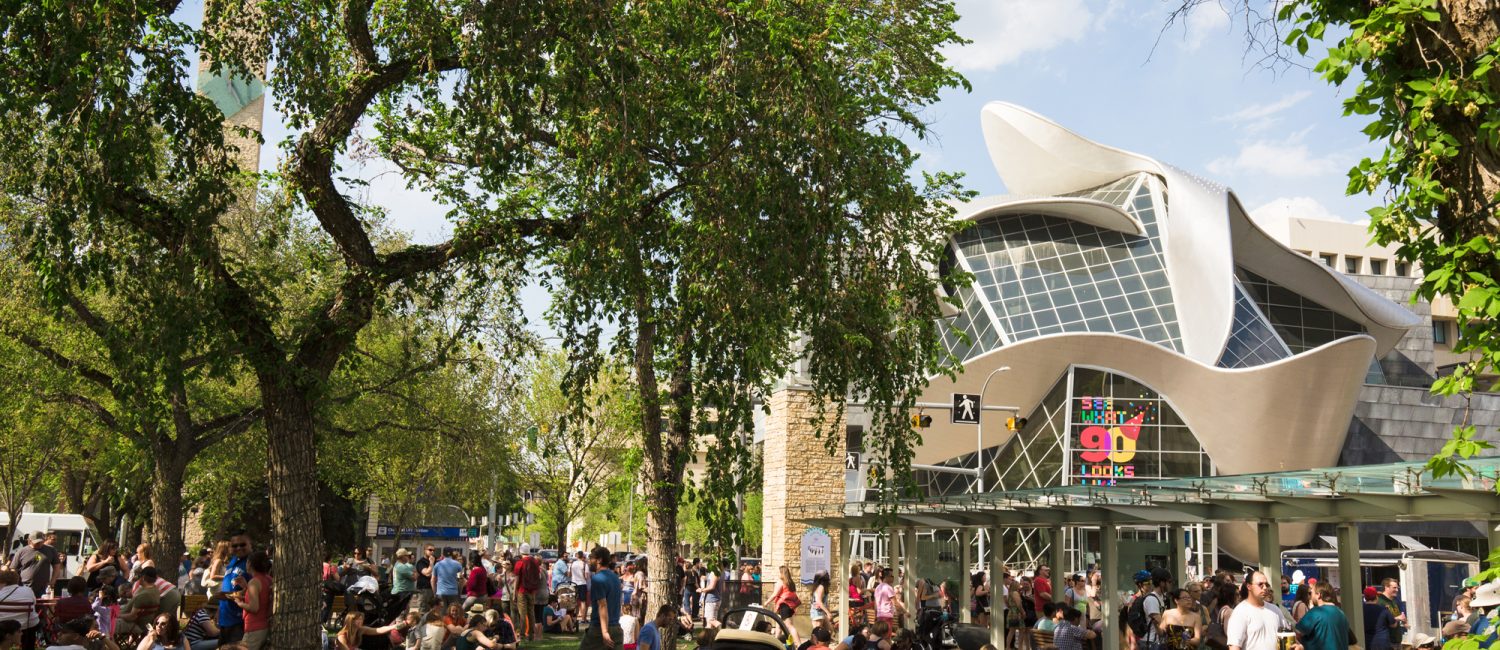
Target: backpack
{"type": "Point", "coordinates": [531, 578]}
{"type": "Point", "coordinates": [1135, 616]}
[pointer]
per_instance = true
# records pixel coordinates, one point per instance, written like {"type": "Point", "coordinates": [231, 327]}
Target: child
{"type": "Point", "coordinates": [107, 609]}
{"type": "Point", "coordinates": [628, 625]}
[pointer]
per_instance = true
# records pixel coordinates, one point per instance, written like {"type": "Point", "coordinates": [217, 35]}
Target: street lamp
{"type": "Point", "coordinates": [979, 449]}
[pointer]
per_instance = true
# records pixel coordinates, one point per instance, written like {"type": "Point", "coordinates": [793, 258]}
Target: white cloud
{"type": "Point", "coordinates": [1260, 117]}
{"type": "Point", "coordinates": [1288, 158]}
{"type": "Point", "coordinates": [1205, 21]}
{"type": "Point", "coordinates": [1003, 31]}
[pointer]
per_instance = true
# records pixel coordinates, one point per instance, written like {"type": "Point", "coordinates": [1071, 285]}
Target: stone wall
{"type": "Point", "coordinates": [798, 470]}
{"type": "Point", "coordinates": [1411, 362]}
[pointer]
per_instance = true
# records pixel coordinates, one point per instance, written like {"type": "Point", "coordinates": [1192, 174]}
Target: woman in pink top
{"type": "Point", "coordinates": [255, 600]}
{"type": "Point", "coordinates": [477, 588]}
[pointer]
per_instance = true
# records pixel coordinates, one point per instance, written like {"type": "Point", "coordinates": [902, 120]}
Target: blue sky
{"type": "Point", "coordinates": [1198, 101]}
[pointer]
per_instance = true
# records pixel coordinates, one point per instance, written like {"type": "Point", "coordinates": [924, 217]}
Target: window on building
{"type": "Point", "coordinates": [1327, 258]}
{"type": "Point", "coordinates": [1377, 267]}
{"type": "Point", "coordinates": [1351, 264]}
{"type": "Point", "coordinates": [1401, 269]}
{"type": "Point", "coordinates": [1440, 332]}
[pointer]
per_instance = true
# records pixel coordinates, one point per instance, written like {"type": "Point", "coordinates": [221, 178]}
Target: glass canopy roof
{"type": "Point", "coordinates": [1393, 492]}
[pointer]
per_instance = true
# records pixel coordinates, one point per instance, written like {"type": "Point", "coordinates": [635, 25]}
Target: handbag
{"type": "Point", "coordinates": [1216, 638]}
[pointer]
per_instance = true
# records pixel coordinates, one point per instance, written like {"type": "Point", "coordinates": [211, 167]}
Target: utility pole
{"type": "Point", "coordinates": [490, 534]}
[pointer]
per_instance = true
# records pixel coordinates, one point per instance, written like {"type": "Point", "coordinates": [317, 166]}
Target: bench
{"type": "Point", "coordinates": [1042, 640]}
{"type": "Point", "coordinates": [191, 603]}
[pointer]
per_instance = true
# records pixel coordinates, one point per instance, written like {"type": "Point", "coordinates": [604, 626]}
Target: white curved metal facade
{"type": "Point", "coordinates": [1111, 260]}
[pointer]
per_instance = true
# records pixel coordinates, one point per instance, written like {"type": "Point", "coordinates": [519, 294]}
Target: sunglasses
{"type": "Point", "coordinates": [240, 545]}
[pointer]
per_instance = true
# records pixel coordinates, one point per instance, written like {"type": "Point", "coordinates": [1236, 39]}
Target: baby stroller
{"type": "Point", "coordinates": [567, 597]}
{"type": "Point", "coordinates": [752, 628]}
{"type": "Point", "coordinates": [930, 624]}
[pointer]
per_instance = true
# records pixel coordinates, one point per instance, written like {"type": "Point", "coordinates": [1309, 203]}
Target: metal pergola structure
{"type": "Point", "coordinates": [1345, 496]}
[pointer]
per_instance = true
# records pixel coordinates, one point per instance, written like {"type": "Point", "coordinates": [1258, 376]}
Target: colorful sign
{"type": "Point", "coordinates": [1108, 437]}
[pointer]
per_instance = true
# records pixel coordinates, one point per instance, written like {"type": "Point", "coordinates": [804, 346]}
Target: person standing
{"type": "Point", "coordinates": [445, 579]}
{"type": "Point", "coordinates": [35, 562]}
{"type": "Point", "coordinates": [1154, 604]}
{"type": "Point", "coordinates": [1041, 586]}
{"type": "Point", "coordinates": [231, 616]}
{"type": "Point", "coordinates": [710, 591]}
{"type": "Point", "coordinates": [528, 584]}
{"type": "Point", "coordinates": [887, 607]}
{"type": "Point", "coordinates": [817, 609]}
{"type": "Point", "coordinates": [560, 572]}
{"type": "Point", "coordinates": [1181, 628]}
{"type": "Point", "coordinates": [423, 568]}
{"type": "Point", "coordinates": [578, 574]}
{"type": "Point", "coordinates": [604, 631]}
{"type": "Point", "coordinates": [477, 587]}
{"type": "Point", "coordinates": [1254, 623]}
{"type": "Point", "coordinates": [255, 600]}
{"type": "Point", "coordinates": [1324, 626]}
{"type": "Point", "coordinates": [1390, 598]}
{"type": "Point", "coordinates": [1377, 622]}
{"type": "Point", "coordinates": [403, 579]}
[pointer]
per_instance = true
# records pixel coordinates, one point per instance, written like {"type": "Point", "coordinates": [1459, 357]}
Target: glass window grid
{"type": "Point", "coordinates": [1165, 448]}
{"type": "Point", "coordinates": [1252, 341]}
{"type": "Point", "coordinates": [1302, 323]}
{"type": "Point", "coordinates": [1055, 275]}
{"type": "Point", "coordinates": [1033, 458]}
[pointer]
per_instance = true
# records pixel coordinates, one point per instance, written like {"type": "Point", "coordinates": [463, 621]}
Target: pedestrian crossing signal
{"type": "Point", "coordinates": [1015, 424]}
{"type": "Point", "coordinates": [920, 421]}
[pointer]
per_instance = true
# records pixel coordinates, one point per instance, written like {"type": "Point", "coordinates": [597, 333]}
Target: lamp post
{"type": "Point", "coordinates": [979, 451]}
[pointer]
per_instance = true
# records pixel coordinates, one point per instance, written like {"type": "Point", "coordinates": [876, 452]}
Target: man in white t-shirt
{"type": "Point", "coordinates": [578, 574]}
{"type": "Point", "coordinates": [1254, 622]}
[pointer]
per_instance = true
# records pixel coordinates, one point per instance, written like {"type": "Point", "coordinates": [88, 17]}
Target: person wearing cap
{"type": "Point", "coordinates": [403, 578]}
{"type": "Point", "coordinates": [1455, 630]}
{"type": "Point", "coordinates": [1377, 622]}
{"type": "Point", "coordinates": [1486, 597]}
{"type": "Point", "coordinates": [1324, 626]}
{"type": "Point", "coordinates": [82, 633]}
{"type": "Point", "coordinates": [36, 561]}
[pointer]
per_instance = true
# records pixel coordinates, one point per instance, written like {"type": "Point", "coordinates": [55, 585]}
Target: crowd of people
{"type": "Point", "coordinates": [120, 599]}
{"type": "Point", "coordinates": [448, 599]}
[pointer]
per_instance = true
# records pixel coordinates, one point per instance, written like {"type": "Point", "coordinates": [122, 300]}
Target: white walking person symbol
{"type": "Point", "coordinates": [966, 405]}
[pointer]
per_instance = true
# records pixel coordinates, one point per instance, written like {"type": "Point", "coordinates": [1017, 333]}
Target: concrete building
{"type": "Point", "coordinates": [1144, 326]}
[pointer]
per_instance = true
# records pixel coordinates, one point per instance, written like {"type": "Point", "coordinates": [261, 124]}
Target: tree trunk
{"type": "Point", "coordinates": [562, 539]}
{"type": "Point", "coordinates": [293, 481]}
{"type": "Point", "coordinates": [166, 509]}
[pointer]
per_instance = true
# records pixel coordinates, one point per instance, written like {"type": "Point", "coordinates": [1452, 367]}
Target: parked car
{"type": "Point", "coordinates": [547, 554]}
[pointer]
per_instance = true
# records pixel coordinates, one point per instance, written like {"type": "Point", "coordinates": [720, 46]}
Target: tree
{"type": "Point", "coordinates": [569, 455]}
{"type": "Point", "coordinates": [787, 217]}
{"type": "Point", "coordinates": [170, 406]}
{"type": "Point", "coordinates": [765, 131]}
{"type": "Point", "coordinates": [418, 417]}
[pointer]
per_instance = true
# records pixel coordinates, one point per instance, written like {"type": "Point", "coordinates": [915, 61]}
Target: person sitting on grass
{"type": "Point", "coordinates": [557, 621]}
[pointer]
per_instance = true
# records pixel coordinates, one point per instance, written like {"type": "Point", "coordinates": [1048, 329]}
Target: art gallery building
{"type": "Point", "coordinates": [1145, 327]}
